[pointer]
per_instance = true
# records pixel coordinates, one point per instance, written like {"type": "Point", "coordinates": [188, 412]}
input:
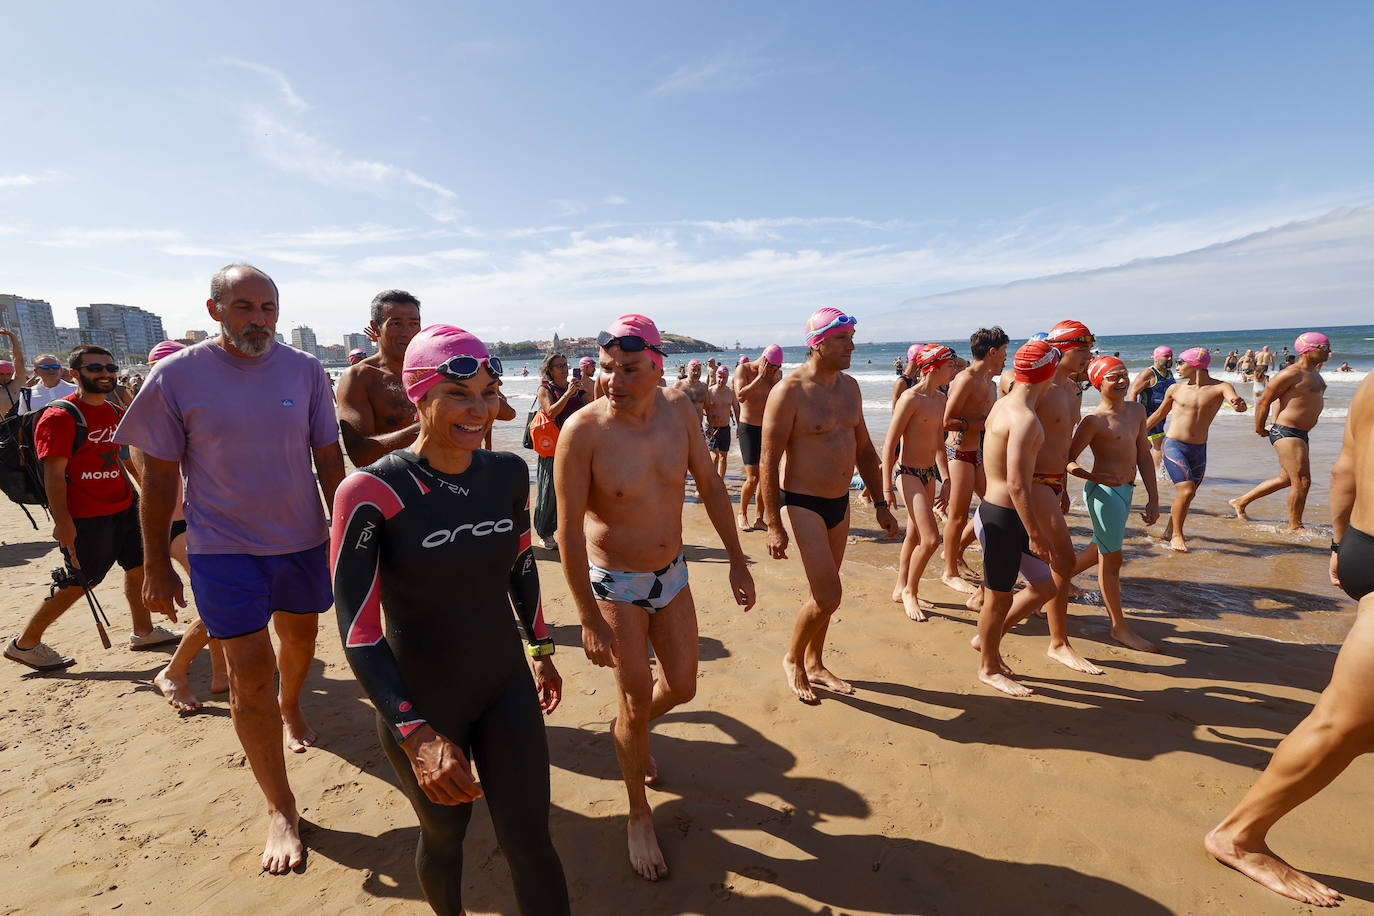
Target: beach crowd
{"type": "Point", "coordinates": [229, 459]}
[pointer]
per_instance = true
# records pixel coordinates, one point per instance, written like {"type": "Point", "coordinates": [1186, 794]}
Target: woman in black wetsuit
{"type": "Point", "coordinates": [438, 536]}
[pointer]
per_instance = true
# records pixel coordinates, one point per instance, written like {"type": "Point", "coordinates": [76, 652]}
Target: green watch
{"type": "Point", "coordinates": [541, 648]}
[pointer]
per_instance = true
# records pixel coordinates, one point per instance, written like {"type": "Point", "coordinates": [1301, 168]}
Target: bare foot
{"type": "Point", "coordinates": [1239, 507]}
{"type": "Point", "coordinates": [965, 570]}
{"type": "Point", "coordinates": [299, 734]}
{"type": "Point", "coordinates": [1177, 543]}
{"type": "Point", "coordinates": [975, 601]}
{"type": "Point", "coordinates": [897, 595]}
{"type": "Point", "coordinates": [219, 683]}
{"type": "Point", "coordinates": [743, 524]}
{"type": "Point", "coordinates": [1265, 868]}
{"type": "Point", "coordinates": [284, 850]}
{"type": "Point", "coordinates": [822, 677]}
{"type": "Point", "coordinates": [796, 679]}
{"type": "Point", "coordinates": [916, 606]}
{"type": "Point", "coordinates": [177, 691]}
{"type": "Point", "coordinates": [976, 642]}
{"type": "Point", "coordinates": [1127, 638]}
{"type": "Point", "coordinates": [958, 584]}
{"type": "Point", "coordinates": [1066, 655]}
{"type": "Point", "coordinates": [760, 524]}
{"type": "Point", "coordinates": [1005, 684]}
{"type": "Point", "coordinates": [645, 856]}
{"type": "Point", "coordinates": [1300, 529]}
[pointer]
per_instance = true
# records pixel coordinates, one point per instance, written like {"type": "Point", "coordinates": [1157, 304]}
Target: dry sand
{"type": "Point", "coordinates": [923, 793]}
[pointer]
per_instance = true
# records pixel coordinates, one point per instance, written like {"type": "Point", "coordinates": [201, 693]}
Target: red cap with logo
{"type": "Point", "coordinates": [1035, 362]}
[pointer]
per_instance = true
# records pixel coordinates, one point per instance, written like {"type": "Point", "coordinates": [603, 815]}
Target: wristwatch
{"type": "Point", "coordinates": [880, 504]}
{"type": "Point", "coordinates": [541, 648]}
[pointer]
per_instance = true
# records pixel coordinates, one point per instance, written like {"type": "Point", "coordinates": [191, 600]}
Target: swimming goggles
{"type": "Point", "coordinates": [1086, 340]}
{"type": "Point", "coordinates": [630, 343]}
{"type": "Point", "coordinates": [842, 321]}
{"type": "Point", "coordinates": [462, 367]}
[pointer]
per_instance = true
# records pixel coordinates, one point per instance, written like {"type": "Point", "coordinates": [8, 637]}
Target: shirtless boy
{"type": "Point", "coordinates": [1340, 728]}
{"type": "Point", "coordinates": [620, 470]}
{"type": "Point", "coordinates": [721, 406]}
{"type": "Point", "coordinates": [375, 416]}
{"type": "Point", "coordinates": [1301, 393]}
{"type": "Point", "coordinates": [694, 387]}
{"type": "Point", "coordinates": [1197, 397]}
{"type": "Point", "coordinates": [1011, 525]}
{"type": "Point", "coordinates": [918, 422]}
{"type": "Point", "coordinates": [753, 382]}
{"type": "Point", "coordinates": [815, 417]}
{"type": "Point", "coordinates": [1115, 432]}
{"type": "Point", "coordinates": [971, 396]}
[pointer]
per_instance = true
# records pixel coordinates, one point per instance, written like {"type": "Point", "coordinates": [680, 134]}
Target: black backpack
{"type": "Point", "coordinates": [21, 472]}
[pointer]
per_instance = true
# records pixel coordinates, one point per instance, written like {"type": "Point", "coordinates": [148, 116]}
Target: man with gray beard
{"type": "Point", "coordinates": [242, 419]}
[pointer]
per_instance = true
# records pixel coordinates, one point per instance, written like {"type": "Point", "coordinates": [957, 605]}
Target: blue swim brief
{"type": "Point", "coordinates": [1185, 460]}
{"type": "Point", "coordinates": [236, 593]}
{"type": "Point", "coordinates": [652, 591]}
{"type": "Point", "coordinates": [1109, 508]}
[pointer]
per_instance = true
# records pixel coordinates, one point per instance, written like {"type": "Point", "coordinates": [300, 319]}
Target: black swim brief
{"type": "Point", "coordinates": [178, 529]}
{"type": "Point", "coordinates": [831, 510]}
{"type": "Point", "coordinates": [718, 438]}
{"type": "Point", "coordinates": [750, 443]}
{"type": "Point", "coordinates": [1355, 563]}
{"type": "Point", "coordinates": [1277, 432]}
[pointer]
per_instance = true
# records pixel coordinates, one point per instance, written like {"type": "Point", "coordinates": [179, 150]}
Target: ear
{"type": "Point", "coordinates": [212, 307]}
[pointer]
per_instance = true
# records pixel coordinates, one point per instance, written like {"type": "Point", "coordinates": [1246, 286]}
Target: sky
{"type": "Point", "coordinates": [724, 168]}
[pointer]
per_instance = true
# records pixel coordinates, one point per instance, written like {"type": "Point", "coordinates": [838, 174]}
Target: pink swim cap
{"type": "Point", "coordinates": [633, 325]}
{"type": "Point", "coordinates": [911, 352]}
{"type": "Point", "coordinates": [1199, 357]}
{"type": "Point", "coordinates": [1161, 352]}
{"type": "Point", "coordinates": [356, 355]}
{"type": "Point", "coordinates": [6, 366]}
{"type": "Point", "coordinates": [586, 363]}
{"type": "Point", "coordinates": [428, 350]}
{"type": "Point", "coordinates": [826, 323]}
{"type": "Point", "coordinates": [693, 363]}
{"type": "Point", "coordinates": [722, 372]}
{"type": "Point", "coordinates": [742, 360]}
{"type": "Point", "coordinates": [1311, 340]}
{"type": "Point", "coordinates": [164, 350]}
{"type": "Point", "coordinates": [772, 354]}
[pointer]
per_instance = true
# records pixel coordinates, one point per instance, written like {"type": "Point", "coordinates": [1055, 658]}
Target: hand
{"type": "Point", "coordinates": [162, 590]}
{"type": "Point", "coordinates": [1262, 431]}
{"type": "Point", "coordinates": [1151, 513]}
{"type": "Point", "coordinates": [889, 522]}
{"type": "Point", "coordinates": [777, 539]}
{"type": "Point", "coordinates": [600, 644]}
{"type": "Point", "coordinates": [6, 332]}
{"type": "Point", "coordinates": [1335, 576]}
{"type": "Point", "coordinates": [1041, 546]}
{"type": "Point", "coordinates": [1239, 405]}
{"type": "Point", "coordinates": [742, 584]}
{"type": "Point", "coordinates": [1064, 500]}
{"type": "Point", "coordinates": [372, 332]}
{"type": "Point", "coordinates": [548, 683]}
{"type": "Point", "coordinates": [942, 497]}
{"type": "Point", "coordinates": [440, 768]}
{"type": "Point", "coordinates": [64, 533]}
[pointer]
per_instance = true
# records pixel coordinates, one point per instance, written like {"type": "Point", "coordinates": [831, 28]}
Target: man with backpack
{"type": "Point", "coordinates": [95, 514]}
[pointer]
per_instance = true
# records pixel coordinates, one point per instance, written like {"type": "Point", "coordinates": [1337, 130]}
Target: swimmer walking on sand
{"type": "Point", "coordinates": [753, 382]}
{"type": "Point", "coordinates": [1340, 727]}
{"type": "Point", "coordinates": [1197, 397]}
{"type": "Point", "coordinates": [815, 417]}
{"type": "Point", "coordinates": [620, 467]}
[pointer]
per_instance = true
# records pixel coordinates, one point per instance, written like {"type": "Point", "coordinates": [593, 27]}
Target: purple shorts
{"type": "Point", "coordinates": [237, 593]}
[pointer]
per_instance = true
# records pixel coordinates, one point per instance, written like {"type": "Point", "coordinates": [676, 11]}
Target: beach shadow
{"type": "Point", "coordinates": [1349, 887]}
{"type": "Point", "coordinates": [387, 860]}
{"type": "Point", "coordinates": [694, 553]}
{"type": "Point", "coordinates": [21, 552]}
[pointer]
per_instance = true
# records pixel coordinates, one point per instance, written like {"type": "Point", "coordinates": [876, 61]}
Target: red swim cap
{"type": "Point", "coordinates": [1035, 362]}
{"type": "Point", "coordinates": [1068, 335]}
{"type": "Point", "coordinates": [931, 356]}
{"type": "Point", "coordinates": [1099, 368]}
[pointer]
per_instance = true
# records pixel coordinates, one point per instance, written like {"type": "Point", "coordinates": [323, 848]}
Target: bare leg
{"type": "Point", "coordinates": [1046, 503]}
{"type": "Point", "coordinates": [295, 652]}
{"type": "Point", "coordinates": [1109, 578]}
{"type": "Point", "coordinates": [962, 478]}
{"type": "Point", "coordinates": [821, 552]}
{"type": "Point", "coordinates": [1292, 464]}
{"type": "Point", "coordinates": [51, 609]}
{"type": "Point", "coordinates": [828, 556]}
{"type": "Point", "coordinates": [133, 593]}
{"type": "Point", "coordinates": [921, 523]}
{"type": "Point", "coordinates": [1339, 729]}
{"type": "Point", "coordinates": [1293, 455]}
{"type": "Point", "coordinates": [746, 496]}
{"type": "Point", "coordinates": [1178, 514]}
{"type": "Point", "coordinates": [172, 680]}
{"type": "Point", "coordinates": [257, 720]}
{"type": "Point", "coordinates": [991, 669]}
{"type": "Point", "coordinates": [909, 542]}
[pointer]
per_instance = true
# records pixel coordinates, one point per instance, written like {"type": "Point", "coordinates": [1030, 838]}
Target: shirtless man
{"type": "Point", "coordinates": [375, 416]}
{"type": "Point", "coordinates": [694, 387]}
{"type": "Point", "coordinates": [620, 469]}
{"type": "Point", "coordinates": [753, 382]}
{"type": "Point", "coordinates": [1301, 393]}
{"type": "Point", "coordinates": [1116, 434]}
{"type": "Point", "coordinates": [721, 406]}
{"type": "Point", "coordinates": [1340, 727]}
{"type": "Point", "coordinates": [12, 372]}
{"type": "Point", "coordinates": [971, 396]}
{"type": "Point", "coordinates": [1012, 529]}
{"type": "Point", "coordinates": [1198, 397]}
{"type": "Point", "coordinates": [918, 423]}
{"type": "Point", "coordinates": [815, 417]}
{"type": "Point", "coordinates": [1265, 359]}
{"type": "Point", "coordinates": [1148, 388]}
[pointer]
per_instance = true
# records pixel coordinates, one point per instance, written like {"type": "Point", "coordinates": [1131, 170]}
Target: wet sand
{"type": "Point", "coordinates": [923, 793]}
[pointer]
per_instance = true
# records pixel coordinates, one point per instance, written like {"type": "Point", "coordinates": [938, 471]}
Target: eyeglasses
{"type": "Point", "coordinates": [96, 367]}
{"type": "Point", "coordinates": [840, 322]}
{"type": "Point", "coordinates": [630, 343]}
{"type": "Point", "coordinates": [48, 366]}
{"type": "Point", "coordinates": [462, 367]}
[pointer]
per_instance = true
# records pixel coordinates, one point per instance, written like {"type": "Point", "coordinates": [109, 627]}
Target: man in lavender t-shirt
{"type": "Point", "coordinates": [243, 418]}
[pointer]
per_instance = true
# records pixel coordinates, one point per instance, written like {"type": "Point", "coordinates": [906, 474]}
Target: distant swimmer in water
{"type": "Point", "coordinates": [436, 540]}
{"type": "Point", "coordinates": [1340, 727]}
{"type": "Point", "coordinates": [1345, 367]}
{"type": "Point", "coordinates": [918, 425]}
{"type": "Point", "coordinates": [1301, 394]}
{"type": "Point", "coordinates": [1115, 433]}
{"type": "Point", "coordinates": [1197, 398]}
{"type": "Point", "coordinates": [815, 418]}
{"type": "Point", "coordinates": [1148, 388]}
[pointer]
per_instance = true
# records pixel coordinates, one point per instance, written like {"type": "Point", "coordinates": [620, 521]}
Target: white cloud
{"type": "Point", "coordinates": [614, 200]}
{"type": "Point", "coordinates": [105, 235]}
{"type": "Point", "coordinates": [29, 179]}
{"type": "Point", "coordinates": [283, 84]}
{"type": "Point", "coordinates": [567, 207]}
{"type": "Point", "coordinates": [728, 70]}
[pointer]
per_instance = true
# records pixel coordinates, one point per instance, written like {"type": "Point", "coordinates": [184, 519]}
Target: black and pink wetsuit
{"type": "Point", "coordinates": [446, 556]}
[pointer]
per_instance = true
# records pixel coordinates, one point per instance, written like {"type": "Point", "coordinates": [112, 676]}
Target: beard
{"type": "Point", "coordinates": [248, 344]}
{"type": "Point", "coordinates": [101, 385]}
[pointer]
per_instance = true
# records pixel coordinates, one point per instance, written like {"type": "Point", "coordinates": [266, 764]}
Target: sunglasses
{"type": "Point", "coordinates": [48, 366]}
{"type": "Point", "coordinates": [630, 343]}
{"type": "Point", "coordinates": [840, 322]}
{"type": "Point", "coordinates": [96, 367]}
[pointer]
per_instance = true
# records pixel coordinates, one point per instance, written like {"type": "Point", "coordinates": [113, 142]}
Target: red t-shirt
{"type": "Point", "coordinates": [95, 481]}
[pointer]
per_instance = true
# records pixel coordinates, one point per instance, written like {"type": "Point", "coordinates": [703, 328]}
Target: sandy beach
{"type": "Point", "coordinates": [923, 793]}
